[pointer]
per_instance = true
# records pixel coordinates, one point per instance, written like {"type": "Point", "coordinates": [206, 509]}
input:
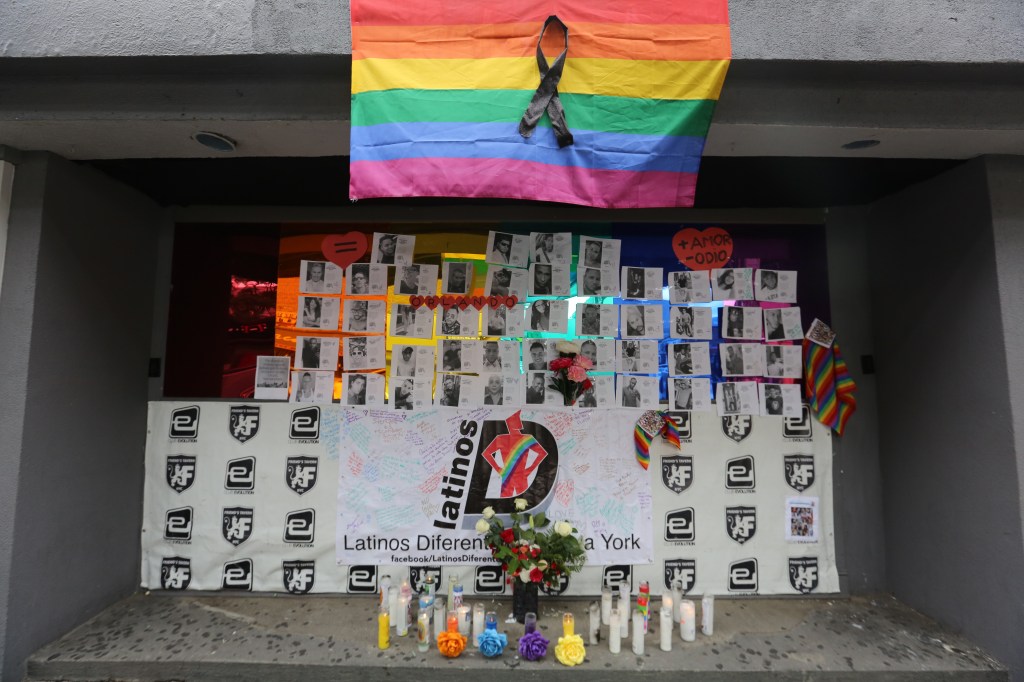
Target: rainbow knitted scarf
{"type": "Point", "coordinates": [828, 385]}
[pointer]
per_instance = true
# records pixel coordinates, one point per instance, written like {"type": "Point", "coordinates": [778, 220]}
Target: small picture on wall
{"type": "Point", "coordinates": [362, 390]}
{"type": "Point", "coordinates": [689, 323]}
{"type": "Point", "coordinates": [457, 278]}
{"type": "Point", "coordinates": [392, 249]}
{"type": "Point", "coordinates": [312, 387]}
{"type": "Point", "coordinates": [732, 284]}
{"type": "Point", "coordinates": [742, 359]}
{"type": "Point", "coordinates": [741, 323]}
{"type": "Point", "coordinates": [775, 285]}
{"type": "Point", "coordinates": [318, 312]}
{"type": "Point", "coordinates": [687, 359]}
{"type": "Point", "coordinates": [783, 324]}
{"type": "Point", "coordinates": [316, 352]}
{"type": "Point", "coordinates": [551, 248]}
{"type": "Point", "coordinates": [505, 248]}
{"type": "Point", "coordinates": [549, 280]}
{"type": "Point", "coordinates": [602, 254]}
{"type": "Point", "coordinates": [362, 352]}
{"type": "Point", "coordinates": [409, 360]}
{"type": "Point", "coordinates": [506, 282]}
{"type": "Point", "coordinates": [366, 279]}
{"type": "Point", "coordinates": [802, 519]}
{"type": "Point", "coordinates": [737, 397]}
{"type": "Point", "coordinates": [689, 287]}
{"type": "Point", "coordinates": [416, 279]}
{"type": "Point", "coordinates": [364, 316]}
{"type": "Point", "coordinates": [642, 283]}
{"type": "Point", "coordinates": [783, 362]}
{"type": "Point", "coordinates": [319, 277]}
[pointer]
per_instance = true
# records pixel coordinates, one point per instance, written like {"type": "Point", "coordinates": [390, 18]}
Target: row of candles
{"type": "Point", "coordinates": [673, 609]}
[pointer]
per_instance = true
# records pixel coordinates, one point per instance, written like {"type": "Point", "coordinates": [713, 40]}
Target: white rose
{"type": "Point", "coordinates": [567, 347]}
{"type": "Point", "coordinates": [488, 512]}
{"type": "Point", "coordinates": [563, 528]}
{"type": "Point", "coordinates": [542, 564]}
{"type": "Point", "coordinates": [482, 526]}
{"type": "Point", "coordinates": [520, 504]}
{"type": "Point", "coordinates": [525, 575]}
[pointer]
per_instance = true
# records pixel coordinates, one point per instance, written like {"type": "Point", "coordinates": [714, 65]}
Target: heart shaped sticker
{"type": "Point", "coordinates": [702, 249]}
{"type": "Point", "coordinates": [344, 249]}
{"type": "Point", "coordinates": [478, 302]}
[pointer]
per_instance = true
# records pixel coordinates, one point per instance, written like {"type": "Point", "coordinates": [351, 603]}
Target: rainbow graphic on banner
{"type": "Point", "coordinates": [519, 450]}
{"type": "Point", "coordinates": [439, 88]}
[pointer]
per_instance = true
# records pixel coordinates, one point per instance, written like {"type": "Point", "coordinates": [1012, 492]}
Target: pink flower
{"type": "Point", "coordinates": [583, 361]}
{"type": "Point", "coordinates": [560, 363]}
{"type": "Point", "coordinates": [577, 373]}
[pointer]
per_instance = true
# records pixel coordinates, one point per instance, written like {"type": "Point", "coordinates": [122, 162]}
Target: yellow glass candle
{"type": "Point", "coordinates": [383, 629]}
{"type": "Point", "coordinates": [568, 624]}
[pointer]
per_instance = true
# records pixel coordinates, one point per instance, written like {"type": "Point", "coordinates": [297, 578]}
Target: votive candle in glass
{"type": "Point", "coordinates": [530, 623]}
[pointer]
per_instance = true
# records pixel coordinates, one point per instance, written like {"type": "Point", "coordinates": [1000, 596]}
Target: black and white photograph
{"type": "Point", "coordinates": [600, 352]}
{"type": "Point", "coordinates": [537, 392]}
{"type": "Point", "coordinates": [505, 248]}
{"type": "Point", "coordinates": [596, 282]}
{"type": "Point", "coordinates": [310, 386]}
{"type": "Point", "coordinates": [689, 286]}
{"type": "Point", "coordinates": [449, 356]}
{"type": "Point", "coordinates": [597, 319]}
{"type": "Point", "coordinates": [741, 323]}
{"type": "Point", "coordinates": [600, 394]}
{"type": "Point", "coordinates": [802, 519]}
{"type": "Point", "coordinates": [412, 322]}
{"type": "Point", "coordinates": [775, 285]}
{"type": "Point", "coordinates": [362, 352]}
{"type": "Point", "coordinates": [392, 249]}
{"type": "Point", "coordinates": [742, 359]}
{"type": "Point", "coordinates": [783, 324]}
{"type": "Point", "coordinates": [638, 321]}
{"type": "Point", "coordinates": [364, 316]}
{"type": "Point", "coordinates": [737, 397]}
{"type": "Point", "coordinates": [411, 393]}
{"type": "Point", "coordinates": [490, 357]}
{"type": "Point", "coordinates": [642, 283]}
{"type": "Point", "coordinates": [637, 392]}
{"type": "Point", "coordinates": [504, 321]}
{"type": "Point", "coordinates": [732, 284]}
{"type": "Point", "coordinates": [362, 390]}
{"type": "Point", "coordinates": [689, 394]}
{"type": "Point", "coordinates": [602, 254]}
{"type": "Point", "coordinates": [271, 377]}
{"type": "Point", "coordinates": [551, 248]}
{"type": "Point", "coordinates": [548, 316]}
{"type": "Point", "coordinates": [319, 277]}
{"type": "Point", "coordinates": [316, 352]}
{"type": "Point", "coordinates": [503, 389]}
{"type": "Point", "coordinates": [537, 353]}
{"type": "Point", "coordinates": [549, 280]}
{"type": "Point", "coordinates": [457, 278]}
{"type": "Point", "coordinates": [689, 359]}
{"type": "Point", "coordinates": [366, 279]}
{"type": "Point", "coordinates": [780, 400]}
{"type": "Point", "coordinates": [417, 279]}
{"type": "Point", "coordinates": [690, 322]}
{"type": "Point", "coordinates": [783, 362]}
{"type": "Point", "coordinates": [637, 356]}
{"type": "Point", "coordinates": [457, 322]}
{"type": "Point", "coordinates": [503, 281]}
{"type": "Point", "coordinates": [449, 390]}
{"type": "Point", "coordinates": [318, 312]}
{"type": "Point", "coordinates": [409, 360]}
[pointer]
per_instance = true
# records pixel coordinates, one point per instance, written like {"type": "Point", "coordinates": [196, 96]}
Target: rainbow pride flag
{"type": "Point", "coordinates": [828, 385]}
{"type": "Point", "coordinates": [439, 88]}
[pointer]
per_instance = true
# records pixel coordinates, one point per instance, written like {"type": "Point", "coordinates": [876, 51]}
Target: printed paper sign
{"type": "Point", "coordinates": [802, 519]}
{"type": "Point", "coordinates": [504, 248]}
{"type": "Point", "coordinates": [316, 352]}
{"type": "Point", "coordinates": [641, 321]}
{"type": "Point", "coordinates": [601, 394]}
{"type": "Point", "coordinates": [783, 324]}
{"type": "Point", "coordinates": [601, 352]}
{"type": "Point", "coordinates": [410, 393]}
{"type": "Point", "coordinates": [412, 322]}
{"type": "Point", "coordinates": [408, 360]}
{"type": "Point", "coordinates": [537, 353]}
{"type": "Point", "coordinates": [362, 352]}
{"type": "Point", "coordinates": [780, 400]}
{"type": "Point", "coordinates": [689, 287]}
{"type": "Point", "coordinates": [737, 397]}
{"type": "Point", "coordinates": [362, 390]}
{"type": "Point", "coordinates": [319, 277]}
{"type": "Point", "coordinates": [597, 282]}
{"type": "Point", "coordinates": [364, 316]}
{"type": "Point", "coordinates": [392, 249]}
{"type": "Point", "coordinates": [416, 278]}
{"type": "Point", "coordinates": [457, 278]}
{"type": "Point", "coordinates": [732, 284]}
{"type": "Point", "coordinates": [312, 387]}
{"type": "Point", "coordinates": [551, 247]}
{"type": "Point", "coordinates": [537, 392]}
{"type": "Point", "coordinates": [642, 283]}
{"type": "Point", "coordinates": [775, 285]}
{"type": "Point", "coordinates": [741, 323]}
{"type": "Point", "coordinates": [687, 359]}
{"type": "Point", "coordinates": [742, 359]}
{"type": "Point", "coordinates": [689, 323]}
{"type": "Point", "coordinates": [690, 395]}
{"type": "Point", "coordinates": [602, 254]}
{"type": "Point", "coordinates": [318, 312]}
{"type": "Point", "coordinates": [783, 362]}
{"type": "Point", "coordinates": [490, 357]}
{"type": "Point", "coordinates": [271, 377]}
{"type": "Point", "coordinates": [548, 316]}
{"type": "Point", "coordinates": [595, 319]}
{"type": "Point", "coordinates": [549, 280]}
{"type": "Point", "coordinates": [637, 356]}
{"type": "Point", "coordinates": [638, 392]}
{"type": "Point", "coordinates": [503, 321]}
{"type": "Point", "coordinates": [455, 322]}
{"type": "Point", "coordinates": [366, 279]}
{"type": "Point", "coordinates": [505, 281]}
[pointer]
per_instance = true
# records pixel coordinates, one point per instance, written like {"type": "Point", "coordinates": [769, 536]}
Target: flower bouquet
{"type": "Point", "coordinates": [569, 372]}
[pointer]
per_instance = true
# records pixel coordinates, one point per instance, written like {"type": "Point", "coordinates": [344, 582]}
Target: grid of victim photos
{"type": "Point", "coordinates": [462, 356]}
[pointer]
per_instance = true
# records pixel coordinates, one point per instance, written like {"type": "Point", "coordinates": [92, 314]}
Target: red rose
{"type": "Point", "coordinates": [560, 363]}
{"type": "Point", "coordinates": [536, 553]}
{"type": "Point", "coordinates": [507, 535]}
{"type": "Point", "coordinates": [536, 575]}
{"type": "Point", "coordinates": [504, 567]}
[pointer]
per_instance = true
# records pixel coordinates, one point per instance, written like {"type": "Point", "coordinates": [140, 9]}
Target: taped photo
{"type": "Point", "coordinates": [319, 277]}
{"type": "Point", "coordinates": [490, 357]}
{"type": "Point", "coordinates": [362, 390]}
{"type": "Point", "coordinates": [602, 254]}
{"type": "Point", "coordinates": [689, 359]}
{"type": "Point", "coordinates": [412, 322]}
{"type": "Point", "coordinates": [642, 283]}
{"type": "Point", "coordinates": [637, 392]}
{"type": "Point", "coordinates": [637, 356]}
{"type": "Point", "coordinates": [537, 391]}
{"type": "Point", "coordinates": [449, 356]}
{"type": "Point", "coordinates": [456, 322]}
{"type": "Point", "coordinates": [780, 400]}
{"type": "Point", "coordinates": [597, 282]}
{"type": "Point", "coordinates": [318, 312]}
{"type": "Point", "coordinates": [537, 353]}
{"type": "Point", "coordinates": [409, 360]}
{"type": "Point", "coordinates": [775, 285]}
{"type": "Point", "coordinates": [549, 280]}
{"type": "Point", "coordinates": [600, 394]}
{"type": "Point", "coordinates": [742, 359]}
{"type": "Point", "coordinates": [601, 352]}
{"type": "Point", "coordinates": [732, 284]}
{"type": "Point", "coordinates": [364, 316]}
{"type": "Point", "coordinates": [316, 352]}
{"type": "Point", "coordinates": [689, 286]}
{"type": "Point", "coordinates": [551, 248]}
{"type": "Point", "coordinates": [783, 362]}
{"type": "Point", "coordinates": [362, 352]}
{"type": "Point", "coordinates": [366, 279]}
{"type": "Point", "coordinates": [312, 387]}
{"type": "Point", "coordinates": [737, 397]}
{"type": "Point", "coordinates": [597, 319]}
{"type": "Point", "coordinates": [548, 316]}
{"type": "Point", "coordinates": [502, 389]}
{"type": "Point", "coordinates": [417, 279]}
{"type": "Point", "coordinates": [783, 324]}
{"type": "Point", "coordinates": [271, 377]}
{"type": "Point", "coordinates": [392, 249]}
{"type": "Point", "coordinates": [689, 395]}
{"type": "Point", "coordinates": [689, 323]}
{"type": "Point", "coordinates": [410, 393]}
{"type": "Point", "coordinates": [741, 323]}
{"type": "Point", "coordinates": [802, 519]}
{"type": "Point", "coordinates": [506, 281]}
{"type": "Point", "coordinates": [504, 321]}
{"type": "Point", "coordinates": [641, 321]}
{"type": "Point", "coordinates": [457, 278]}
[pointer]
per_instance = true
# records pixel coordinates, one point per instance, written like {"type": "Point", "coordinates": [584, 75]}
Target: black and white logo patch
{"type": "Point", "coordinates": [181, 472]}
{"type": "Point", "coordinates": [741, 523]}
{"type": "Point", "coordinates": [799, 471]}
{"type": "Point", "coordinates": [737, 427]}
{"type": "Point", "coordinates": [237, 575]}
{"type": "Point", "coordinates": [178, 524]}
{"type": "Point", "coordinates": [418, 577]}
{"type": "Point", "coordinates": [743, 575]}
{"type": "Point", "coordinates": [679, 525]}
{"type": "Point", "coordinates": [739, 473]}
{"type": "Point", "coordinates": [798, 428]}
{"type": "Point", "coordinates": [684, 425]}
{"type": "Point", "coordinates": [305, 424]}
{"type": "Point", "coordinates": [299, 576]}
{"type": "Point", "coordinates": [677, 472]}
{"type": "Point", "coordinates": [175, 573]}
{"type": "Point", "coordinates": [362, 579]}
{"type": "Point", "coordinates": [617, 574]}
{"type": "Point", "coordinates": [557, 588]}
{"type": "Point", "coordinates": [681, 571]}
{"type": "Point", "coordinates": [300, 526]}
{"type": "Point", "coordinates": [803, 574]}
{"type": "Point", "coordinates": [301, 473]}
{"type": "Point", "coordinates": [240, 474]}
{"type": "Point", "coordinates": [489, 579]}
{"type": "Point", "coordinates": [244, 422]}
{"type": "Point", "coordinates": [237, 524]}
{"type": "Point", "coordinates": [184, 423]}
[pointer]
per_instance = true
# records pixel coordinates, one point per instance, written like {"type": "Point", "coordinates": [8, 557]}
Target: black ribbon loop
{"type": "Point", "coordinates": [546, 97]}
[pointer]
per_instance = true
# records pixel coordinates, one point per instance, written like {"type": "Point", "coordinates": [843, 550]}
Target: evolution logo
{"type": "Point", "coordinates": [490, 579]}
{"type": "Point", "coordinates": [741, 523]}
{"type": "Point", "coordinates": [181, 472]}
{"type": "Point", "coordinates": [300, 526]}
{"type": "Point", "coordinates": [240, 475]}
{"type": "Point", "coordinates": [799, 471]}
{"type": "Point", "coordinates": [681, 571]}
{"type": "Point", "coordinates": [418, 577]}
{"type": "Point", "coordinates": [237, 524]}
{"type": "Point", "coordinates": [798, 428]}
{"type": "Point", "coordinates": [175, 573]}
{"type": "Point", "coordinates": [362, 579]}
{"type": "Point", "coordinates": [244, 422]}
{"type": "Point", "coordinates": [677, 472]}
{"type": "Point", "coordinates": [737, 427]}
{"type": "Point", "coordinates": [184, 424]}
{"type": "Point", "coordinates": [305, 425]}
{"type": "Point", "coordinates": [521, 461]}
{"type": "Point", "coordinates": [301, 473]}
{"type": "Point", "coordinates": [237, 575]}
{"type": "Point", "coordinates": [684, 425]}
{"type": "Point", "coordinates": [803, 574]}
{"type": "Point", "coordinates": [679, 526]}
{"type": "Point", "coordinates": [558, 588]}
{"type": "Point", "coordinates": [616, 575]}
{"type": "Point", "coordinates": [739, 473]}
{"type": "Point", "coordinates": [299, 576]}
{"type": "Point", "coordinates": [178, 525]}
{"type": "Point", "coordinates": [743, 575]}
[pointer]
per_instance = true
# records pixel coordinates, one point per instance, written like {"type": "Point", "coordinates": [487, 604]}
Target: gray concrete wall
{"type": "Point", "coordinates": [75, 319]}
{"type": "Point", "coordinates": [860, 30]}
{"type": "Point", "coordinates": [949, 452]}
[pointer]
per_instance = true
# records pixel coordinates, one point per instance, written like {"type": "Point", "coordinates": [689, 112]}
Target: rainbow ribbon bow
{"type": "Point", "coordinates": [651, 424]}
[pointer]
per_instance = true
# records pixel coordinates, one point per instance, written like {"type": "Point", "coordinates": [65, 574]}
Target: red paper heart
{"type": "Point", "coordinates": [416, 301]}
{"type": "Point", "coordinates": [702, 249]}
{"type": "Point", "coordinates": [431, 302]}
{"type": "Point", "coordinates": [344, 249]}
{"type": "Point", "coordinates": [478, 302]}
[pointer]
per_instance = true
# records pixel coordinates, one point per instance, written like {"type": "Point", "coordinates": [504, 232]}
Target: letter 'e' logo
{"type": "Point", "coordinates": [184, 423]}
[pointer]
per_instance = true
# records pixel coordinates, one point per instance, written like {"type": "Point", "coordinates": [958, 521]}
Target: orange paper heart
{"type": "Point", "coordinates": [344, 249]}
{"type": "Point", "coordinates": [702, 249]}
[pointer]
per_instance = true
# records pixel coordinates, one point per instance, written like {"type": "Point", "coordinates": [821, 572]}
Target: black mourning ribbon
{"type": "Point", "coordinates": [546, 97]}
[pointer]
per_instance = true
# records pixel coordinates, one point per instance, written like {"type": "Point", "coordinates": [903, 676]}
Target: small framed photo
{"type": "Point", "coordinates": [505, 248]}
{"type": "Point", "coordinates": [413, 361]}
{"type": "Point", "coordinates": [642, 283]}
{"type": "Point", "coordinates": [780, 400]}
{"type": "Point", "coordinates": [456, 322]}
{"type": "Point", "coordinates": [549, 280]}
{"type": "Point", "coordinates": [408, 393]}
{"type": "Point", "coordinates": [362, 390]}
{"type": "Point", "coordinates": [364, 316]}
{"type": "Point", "coordinates": [783, 362]}
{"type": "Point", "coordinates": [602, 254]}
{"type": "Point", "coordinates": [741, 323]}
{"type": "Point", "coordinates": [641, 321]}
{"type": "Point", "coordinates": [737, 397]}
{"type": "Point", "coordinates": [449, 356]}
{"type": "Point", "coordinates": [412, 322]}
{"type": "Point", "coordinates": [732, 284]}
{"type": "Point", "coordinates": [366, 279]}
{"type": "Point", "coordinates": [742, 359]}
{"type": "Point", "coordinates": [505, 281]}
{"type": "Point", "coordinates": [783, 324]}
{"type": "Point", "coordinates": [802, 519]}
{"type": "Point", "coordinates": [548, 316]}
{"type": "Point", "coordinates": [312, 387]}
{"type": "Point", "coordinates": [551, 248]}
{"type": "Point", "coordinates": [637, 356]}
{"type": "Point", "coordinates": [457, 278]}
{"type": "Point", "coordinates": [601, 352]}
{"type": "Point", "coordinates": [504, 321]}
{"type": "Point", "coordinates": [775, 285]}
{"type": "Point", "coordinates": [319, 277]}
{"type": "Point", "coordinates": [318, 312]}
{"type": "Point", "coordinates": [689, 359]}
{"type": "Point", "coordinates": [537, 391]}
{"type": "Point", "coordinates": [316, 352]}
{"type": "Point", "coordinates": [392, 249]}
{"type": "Point", "coordinates": [638, 392]}
{"type": "Point", "coordinates": [597, 319]}
{"type": "Point", "coordinates": [687, 394]}
{"type": "Point", "coordinates": [689, 323]}
{"type": "Point", "coordinates": [362, 352]}
{"type": "Point", "coordinates": [597, 282]}
{"type": "Point", "coordinates": [689, 286]}
{"type": "Point", "coordinates": [417, 279]}
{"type": "Point", "coordinates": [600, 394]}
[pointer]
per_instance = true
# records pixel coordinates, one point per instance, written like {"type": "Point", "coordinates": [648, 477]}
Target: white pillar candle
{"type": "Point", "coordinates": [606, 604]}
{"type": "Point", "coordinates": [614, 632]}
{"type": "Point", "coordinates": [465, 620]}
{"type": "Point", "coordinates": [595, 623]}
{"type": "Point", "coordinates": [668, 602]}
{"type": "Point", "coordinates": [403, 616]}
{"type": "Point", "coordinates": [665, 632]}
{"type": "Point", "coordinates": [439, 622]}
{"type": "Point", "coordinates": [393, 606]}
{"type": "Point", "coordinates": [707, 614]}
{"type": "Point", "coordinates": [688, 620]}
{"type": "Point", "coordinates": [677, 599]}
{"type": "Point", "coordinates": [638, 633]}
{"type": "Point", "coordinates": [478, 622]}
{"type": "Point", "coordinates": [624, 611]}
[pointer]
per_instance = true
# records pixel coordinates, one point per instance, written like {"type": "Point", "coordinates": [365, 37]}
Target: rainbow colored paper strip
{"type": "Point", "coordinates": [439, 88]}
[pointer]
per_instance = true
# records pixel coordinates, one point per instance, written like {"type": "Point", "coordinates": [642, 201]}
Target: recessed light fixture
{"type": "Point", "coordinates": [215, 141]}
{"type": "Point", "coordinates": [862, 144]}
